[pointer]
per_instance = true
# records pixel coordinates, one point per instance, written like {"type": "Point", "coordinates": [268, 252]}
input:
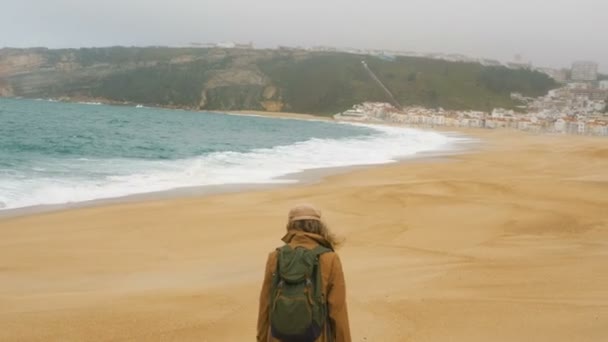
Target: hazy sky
{"type": "Point", "coordinates": [546, 32]}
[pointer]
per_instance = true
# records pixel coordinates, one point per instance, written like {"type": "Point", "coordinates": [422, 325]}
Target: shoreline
{"type": "Point", "coordinates": [301, 178]}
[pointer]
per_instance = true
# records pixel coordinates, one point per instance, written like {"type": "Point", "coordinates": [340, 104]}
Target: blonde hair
{"type": "Point", "coordinates": [315, 227]}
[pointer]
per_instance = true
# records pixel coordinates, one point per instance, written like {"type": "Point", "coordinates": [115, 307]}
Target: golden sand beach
{"type": "Point", "coordinates": [507, 243]}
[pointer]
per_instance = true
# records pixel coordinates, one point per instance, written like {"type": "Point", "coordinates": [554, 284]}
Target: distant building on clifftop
{"type": "Point", "coordinates": [584, 71]}
{"type": "Point", "coordinates": [519, 63]}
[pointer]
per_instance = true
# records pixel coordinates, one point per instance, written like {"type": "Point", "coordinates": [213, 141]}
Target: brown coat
{"type": "Point", "coordinates": [333, 288]}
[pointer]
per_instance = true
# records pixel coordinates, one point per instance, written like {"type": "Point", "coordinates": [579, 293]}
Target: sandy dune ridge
{"type": "Point", "coordinates": [509, 243]}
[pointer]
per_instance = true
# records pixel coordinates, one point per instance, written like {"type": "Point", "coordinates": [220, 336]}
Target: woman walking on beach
{"type": "Point", "coordinates": [303, 297]}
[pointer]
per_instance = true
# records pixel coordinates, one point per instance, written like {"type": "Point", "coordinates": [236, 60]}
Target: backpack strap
{"type": "Point", "coordinates": [279, 253]}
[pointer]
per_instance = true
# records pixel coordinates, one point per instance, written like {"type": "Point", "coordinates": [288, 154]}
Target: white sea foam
{"type": "Point", "coordinates": [121, 177]}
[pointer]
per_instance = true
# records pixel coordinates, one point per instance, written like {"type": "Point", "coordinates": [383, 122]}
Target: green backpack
{"type": "Point", "coordinates": [298, 309]}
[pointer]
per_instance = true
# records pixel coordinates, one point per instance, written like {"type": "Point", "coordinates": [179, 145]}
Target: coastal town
{"type": "Point", "coordinates": [578, 107]}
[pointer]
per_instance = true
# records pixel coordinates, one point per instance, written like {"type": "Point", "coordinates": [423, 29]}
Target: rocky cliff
{"type": "Point", "coordinates": [271, 80]}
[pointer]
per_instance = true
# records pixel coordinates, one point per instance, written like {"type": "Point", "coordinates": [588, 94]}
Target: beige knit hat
{"type": "Point", "coordinates": [304, 212]}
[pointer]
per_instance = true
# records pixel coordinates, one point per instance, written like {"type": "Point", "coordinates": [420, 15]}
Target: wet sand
{"type": "Point", "coordinates": [509, 243]}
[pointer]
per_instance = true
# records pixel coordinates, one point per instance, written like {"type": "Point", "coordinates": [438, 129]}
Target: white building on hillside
{"type": "Point", "coordinates": [502, 113]}
{"type": "Point", "coordinates": [578, 85]}
{"type": "Point", "coordinates": [584, 71]}
{"type": "Point", "coordinates": [560, 125]}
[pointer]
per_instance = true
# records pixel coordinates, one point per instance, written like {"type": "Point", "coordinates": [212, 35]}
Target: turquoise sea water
{"type": "Point", "coordinates": [53, 152]}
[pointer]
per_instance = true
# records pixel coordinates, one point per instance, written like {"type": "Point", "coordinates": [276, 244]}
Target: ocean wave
{"type": "Point", "coordinates": [122, 177]}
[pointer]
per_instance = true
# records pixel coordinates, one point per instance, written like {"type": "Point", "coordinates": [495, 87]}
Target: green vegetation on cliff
{"type": "Point", "coordinates": [163, 84]}
{"type": "Point", "coordinates": [298, 81]}
{"type": "Point", "coordinates": [330, 83]}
